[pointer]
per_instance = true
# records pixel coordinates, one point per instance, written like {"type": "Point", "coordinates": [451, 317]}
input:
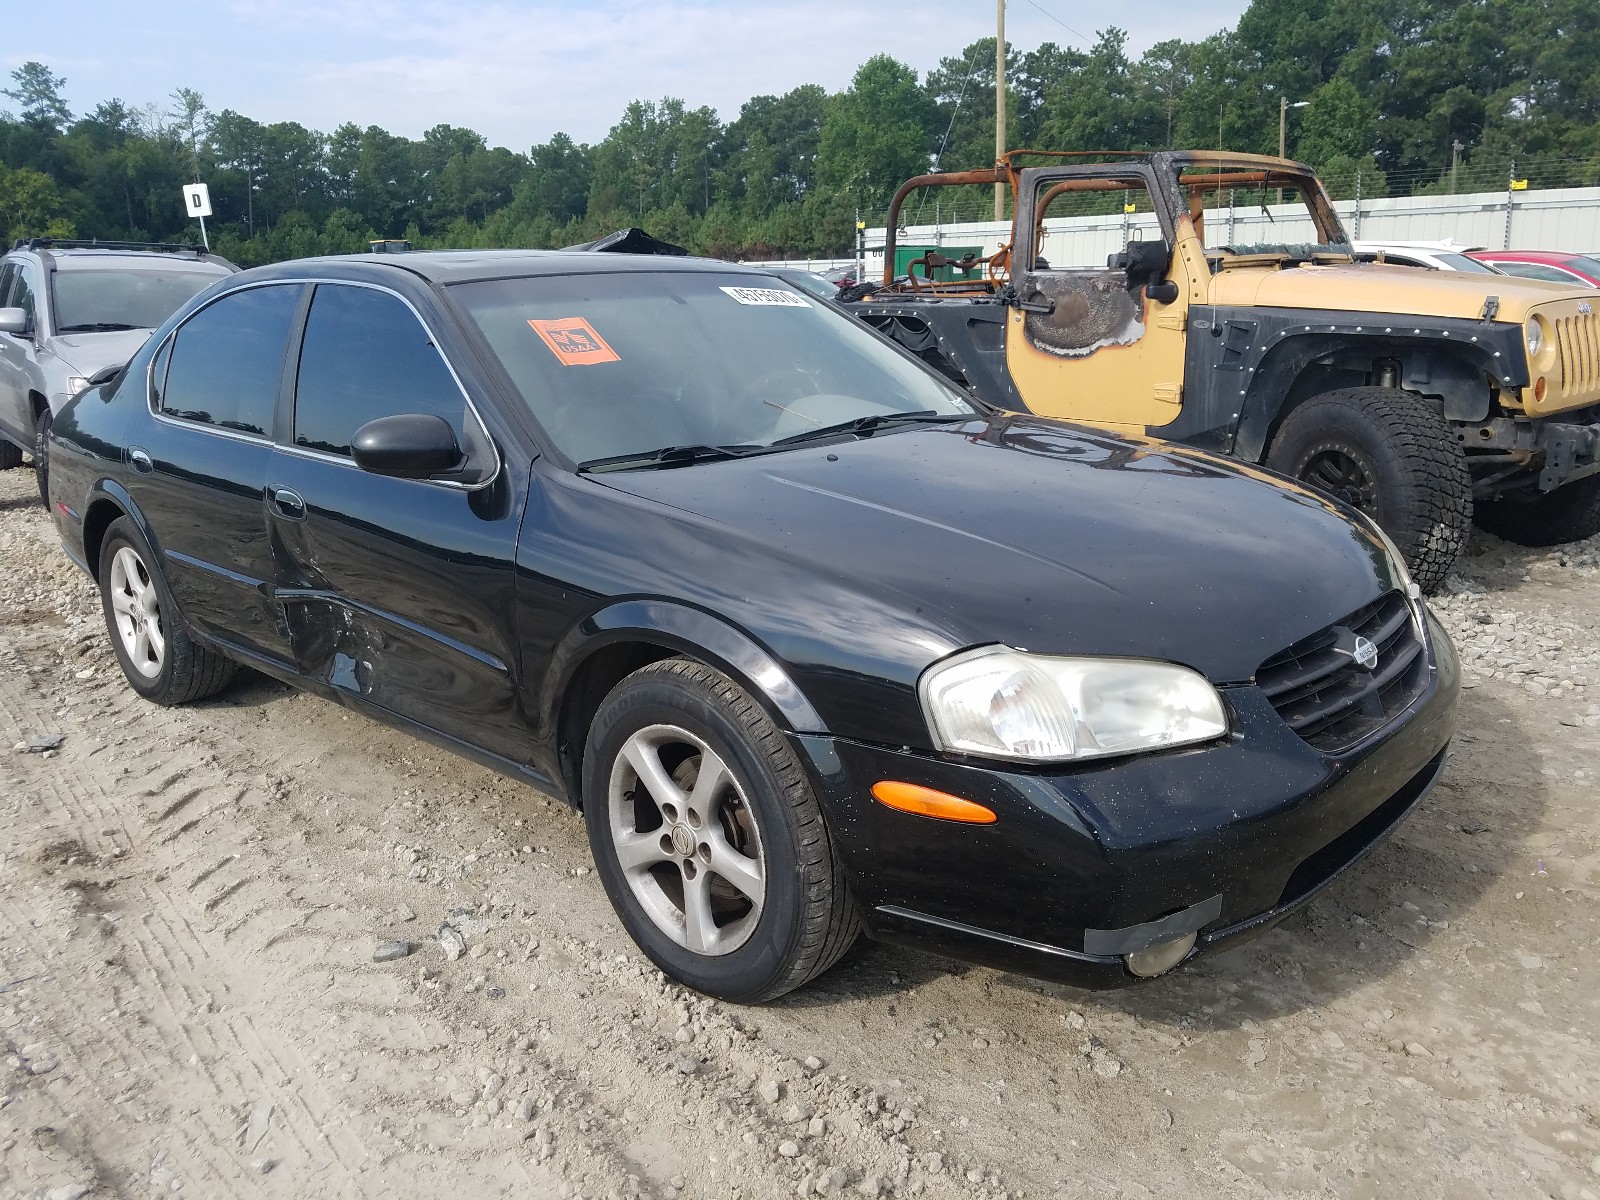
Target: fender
{"type": "Point", "coordinates": [693, 631]}
{"type": "Point", "coordinates": [104, 488]}
{"type": "Point", "coordinates": [1241, 364]}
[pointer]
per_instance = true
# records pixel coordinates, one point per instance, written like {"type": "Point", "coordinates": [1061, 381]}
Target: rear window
{"type": "Point", "coordinates": [98, 301]}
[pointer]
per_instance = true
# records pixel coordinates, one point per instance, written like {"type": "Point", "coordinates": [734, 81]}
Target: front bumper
{"type": "Point", "coordinates": [1224, 840]}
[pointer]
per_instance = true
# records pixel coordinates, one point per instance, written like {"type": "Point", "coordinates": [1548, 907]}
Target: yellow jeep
{"type": "Point", "coordinates": [1427, 399]}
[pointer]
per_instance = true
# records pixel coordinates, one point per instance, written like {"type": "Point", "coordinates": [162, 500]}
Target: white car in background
{"type": "Point", "coordinates": [1446, 255]}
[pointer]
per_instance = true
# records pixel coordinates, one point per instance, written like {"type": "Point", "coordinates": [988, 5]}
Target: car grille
{"type": "Point", "coordinates": [1331, 700]}
{"type": "Point", "coordinates": [1578, 346]}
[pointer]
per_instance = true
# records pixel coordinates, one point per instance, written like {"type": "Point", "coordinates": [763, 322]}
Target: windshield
{"type": "Point", "coordinates": [1240, 213]}
{"type": "Point", "coordinates": [1460, 262]}
{"type": "Point", "coordinates": [90, 301]}
{"type": "Point", "coordinates": [632, 363]}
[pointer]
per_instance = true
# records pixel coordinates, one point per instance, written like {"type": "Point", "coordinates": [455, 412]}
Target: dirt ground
{"type": "Point", "coordinates": [191, 899]}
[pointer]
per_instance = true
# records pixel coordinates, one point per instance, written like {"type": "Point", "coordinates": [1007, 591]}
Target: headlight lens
{"type": "Point", "coordinates": [1004, 703]}
{"type": "Point", "coordinates": [75, 384]}
{"type": "Point", "coordinates": [1534, 332]}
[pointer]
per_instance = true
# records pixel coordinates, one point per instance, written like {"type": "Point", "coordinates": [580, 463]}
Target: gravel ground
{"type": "Point", "coordinates": [258, 947]}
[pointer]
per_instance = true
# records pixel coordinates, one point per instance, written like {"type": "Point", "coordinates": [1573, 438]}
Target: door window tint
{"type": "Point", "coordinates": [22, 295]}
{"type": "Point", "coordinates": [226, 361]}
{"type": "Point", "coordinates": [1536, 271]}
{"type": "Point", "coordinates": [7, 274]}
{"type": "Point", "coordinates": [364, 356]}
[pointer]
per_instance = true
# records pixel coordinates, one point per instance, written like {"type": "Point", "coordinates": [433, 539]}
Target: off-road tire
{"type": "Point", "coordinates": [808, 919]}
{"type": "Point", "coordinates": [1568, 514]}
{"type": "Point", "coordinates": [189, 671]}
{"type": "Point", "coordinates": [1421, 489]}
{"type": "Point", "coordinates": [10, 455]}
{"type": "Point", "coordinates": [41, 453]}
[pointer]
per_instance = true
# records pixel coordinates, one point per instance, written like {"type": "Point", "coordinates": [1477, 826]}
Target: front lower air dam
{"type": "Point", "coordinates": [1160, 958]}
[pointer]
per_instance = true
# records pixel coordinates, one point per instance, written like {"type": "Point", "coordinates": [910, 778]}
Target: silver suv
{"type": "Point", "coordinates": [74, 311]}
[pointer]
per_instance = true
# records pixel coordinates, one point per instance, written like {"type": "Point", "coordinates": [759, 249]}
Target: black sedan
{"type": "Point", "coordinates": [815, 642]}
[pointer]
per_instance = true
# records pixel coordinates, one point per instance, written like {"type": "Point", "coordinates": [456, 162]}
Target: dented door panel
{"type": "Point", "coordinates": [420, 623]}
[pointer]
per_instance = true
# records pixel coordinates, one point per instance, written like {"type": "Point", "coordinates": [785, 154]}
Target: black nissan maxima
{"type": "Point", "coordinates": [817, 643]}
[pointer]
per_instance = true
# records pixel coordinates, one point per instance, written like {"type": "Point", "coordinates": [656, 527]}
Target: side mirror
{"type": "Point", "coordinates": [13, 321]}
{"type": "Point", "coordinates": [412, 446]}
{"type": "Point", "coordinates": [1144, 262]}
{"type": "Point", "coordinates": [106, 374]}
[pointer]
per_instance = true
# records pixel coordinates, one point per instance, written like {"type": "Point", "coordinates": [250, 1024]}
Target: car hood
{"type": "Point", "coordinates": [86, 353]}
{"type": "Point", "coordinates": [1032, 533]}
{"type": "Point", "coordinates": [1382, 288]}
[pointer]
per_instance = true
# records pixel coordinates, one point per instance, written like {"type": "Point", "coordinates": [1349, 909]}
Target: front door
{"type": "Point", "coordinates": [1100, 341]}
{"type": "Point", "coordinates": [199, 474]}
{"type": "Point", "coordinates": [399, 592]}
{"type": "Point", "coordinates": [16, 415]}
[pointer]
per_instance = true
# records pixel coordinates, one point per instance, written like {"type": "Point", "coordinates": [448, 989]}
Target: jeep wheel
{"type": "Point", "coordinates": [709, 838]}
{"type": "Point", "coordinates": [1389, 454]}
{"type": "Point", "coordinates": [1568, 514]}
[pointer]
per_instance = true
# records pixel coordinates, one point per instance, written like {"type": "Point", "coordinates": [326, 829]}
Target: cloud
{"type": "Point", "coordinates": [519, 72]}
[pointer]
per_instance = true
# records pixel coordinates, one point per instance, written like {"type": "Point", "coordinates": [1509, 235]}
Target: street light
{"type": "Point", "coordinates": [1283, 124]}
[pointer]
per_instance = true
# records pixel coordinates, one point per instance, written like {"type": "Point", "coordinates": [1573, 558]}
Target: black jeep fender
{"type": "Point", "coordinates": [1247, 367]}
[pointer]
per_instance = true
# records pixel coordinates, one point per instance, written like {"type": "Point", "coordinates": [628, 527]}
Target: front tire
{"type": "Point", "coordinates": [709, 838]}
{"type": "Point", "coordinates": [1389, 454]}
{"type": "Point", "coordinates": [10, 455]}
{"type": "Point", "coordinates": [1568, 514]}
{"type": "Point", "coordinates": [41, 453]}
{"type": "Point", "coordinates": [159, 658]}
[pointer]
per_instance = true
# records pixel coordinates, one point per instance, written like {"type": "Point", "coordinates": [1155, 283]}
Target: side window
{"type": "Point", "coordinates": [364, 356]}
{"type": "Point", "coordinates": [22, 294]}
{"type": "Point", "coordinates": [7, 274]}
{"type": "Point", "coordinates": [226, 361]}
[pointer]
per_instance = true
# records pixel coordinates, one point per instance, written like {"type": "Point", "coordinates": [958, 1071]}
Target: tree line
{"type": "Point", "coordinates": [1399, 91]}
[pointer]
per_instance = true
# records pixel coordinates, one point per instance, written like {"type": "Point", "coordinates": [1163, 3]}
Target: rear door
{"type": "Point", "coordinates": [397, 591]}
{"type": "Point", "coordinates": [199, 468]}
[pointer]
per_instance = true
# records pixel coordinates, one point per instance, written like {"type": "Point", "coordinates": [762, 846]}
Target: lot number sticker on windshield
{"type": "Point", "coordinates": [772, 297]}
{"type": "Point", "coordinates": [574, 341]}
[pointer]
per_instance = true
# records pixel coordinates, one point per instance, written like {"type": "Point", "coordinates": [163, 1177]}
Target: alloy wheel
{"type": "Point", "coordinates": [137, 607]}
{"type": "Point", "coordinates": [1342, 475]}
{"type": "Point", "coordinates": [686, 839]}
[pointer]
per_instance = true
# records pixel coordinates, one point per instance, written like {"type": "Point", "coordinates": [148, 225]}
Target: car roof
{"type": "Point", "coordinates": [1552, 257]}
{"type": "Point", "coordinates": [1446, 246]}
{"type": "Point", "coordinates": [444, 267]}
{"type": "Point", "coordinates": [75, 260]}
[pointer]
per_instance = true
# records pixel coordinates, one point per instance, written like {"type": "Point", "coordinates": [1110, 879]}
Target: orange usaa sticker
{"type": "Point", "coordinates": [574, 341]}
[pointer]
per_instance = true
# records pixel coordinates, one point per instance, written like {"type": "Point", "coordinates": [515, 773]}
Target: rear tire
{"type": "Point", "coordinates": [41, 453]}
{"type": "Point", "coordinates": [732, 885]}
{"type": "Point", "coordinates": [1389, 454]}
{"type": "Point", "coordinates": [1568, 514]}
{"type": "Point", "coordinates": [159, 658]}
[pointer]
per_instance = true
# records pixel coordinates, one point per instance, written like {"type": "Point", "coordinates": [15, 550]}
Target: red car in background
{"type": "Point", "coordinates": [1554, 265]}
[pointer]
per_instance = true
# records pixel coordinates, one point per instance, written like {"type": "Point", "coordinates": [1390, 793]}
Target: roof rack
{"type": "Point", "coordinates": [49, 243]}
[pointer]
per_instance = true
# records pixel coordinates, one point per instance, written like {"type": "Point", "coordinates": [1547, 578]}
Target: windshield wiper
{"type": "Point", "coordinates": [867, 425]}
{"type": "Point", "coordinates": [98, 327]}
{"type": "Point", "coordinates": [667, 456]}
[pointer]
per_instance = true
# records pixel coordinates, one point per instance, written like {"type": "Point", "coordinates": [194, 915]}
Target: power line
{"type": "Point", "coordinates": [1085, 39]}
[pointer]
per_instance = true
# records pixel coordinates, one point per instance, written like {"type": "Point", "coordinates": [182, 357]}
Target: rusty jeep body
{"type": "Point", "coordinates": [1425, 399]}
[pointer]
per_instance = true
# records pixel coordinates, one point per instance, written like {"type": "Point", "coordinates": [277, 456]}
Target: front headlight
{"type": "Point", "coordinates": [75, 384]}
{"type": "Point", "coordinates": [1534, 332]}
{"type": "Point", "coordinates": [1004, 703]}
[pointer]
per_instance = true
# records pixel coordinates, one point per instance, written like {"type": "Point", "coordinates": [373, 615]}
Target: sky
{"type": "Point", "coordinates": [518, 72]}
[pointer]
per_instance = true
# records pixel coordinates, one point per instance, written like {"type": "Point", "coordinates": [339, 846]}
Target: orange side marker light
{"type": "Point", "coordinates": [925, 802]}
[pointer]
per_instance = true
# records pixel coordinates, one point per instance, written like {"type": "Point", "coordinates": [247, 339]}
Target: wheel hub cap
{"type": "Point", "coordinates": [686, 839]}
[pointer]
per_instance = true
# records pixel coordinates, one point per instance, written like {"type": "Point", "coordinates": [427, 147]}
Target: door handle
{"type": "Point", "coordinates": [140, 460]}
{"type": "Point", "coordinates": [288, 503]}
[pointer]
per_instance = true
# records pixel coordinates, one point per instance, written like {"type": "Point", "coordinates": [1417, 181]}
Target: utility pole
{"type": "Point", "coordinates": [1283, 128]}
{"type": "Point", "coordinates": [999, 104]}
{"type": "Point", "coordinates": [1455, 162]}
